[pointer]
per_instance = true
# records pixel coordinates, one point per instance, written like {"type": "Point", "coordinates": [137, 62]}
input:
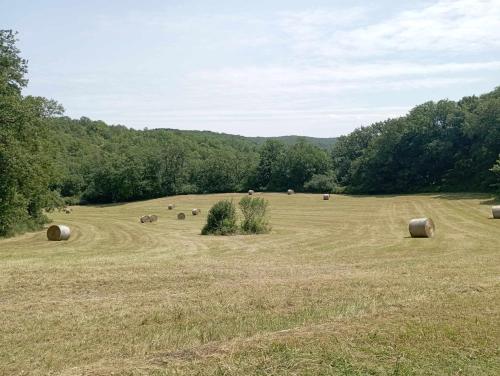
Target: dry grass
{"type": "Point", "coordinates": [337, 288]}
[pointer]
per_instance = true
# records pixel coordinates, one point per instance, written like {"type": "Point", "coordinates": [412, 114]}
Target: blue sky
{"type": "Point", "coordinates": [266, 68]}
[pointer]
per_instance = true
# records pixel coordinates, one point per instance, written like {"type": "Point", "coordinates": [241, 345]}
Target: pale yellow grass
{"type": "Point", "coordinates": [336, 288]}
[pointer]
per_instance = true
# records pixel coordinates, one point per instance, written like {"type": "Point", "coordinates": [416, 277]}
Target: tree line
{"type": "Point", "coordinates": [443, 146]}
{"type": "Point", "coordinates": [48, 160]}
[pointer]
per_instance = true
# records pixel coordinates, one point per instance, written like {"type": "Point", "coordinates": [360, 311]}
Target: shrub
{"type": "Point", "coordinates": [321, 184]}
{"type": "Point", "coordinates": [254, 215]}
{"type": "Point", "coordinates": [221, 219]}
{"type": "Point", "coordinates": [72, 201]}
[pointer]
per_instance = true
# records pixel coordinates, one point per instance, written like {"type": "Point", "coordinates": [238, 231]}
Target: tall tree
{"type": "Point", "coordinates": [272, 154]}
{"type": "Point", "coordinates": [25, 168]}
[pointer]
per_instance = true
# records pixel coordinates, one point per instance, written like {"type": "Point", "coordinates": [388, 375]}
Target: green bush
{"type": "Point", "coordinates": [254, 215]}
{"type": "Point", "coordinates": [321, 184]}
{"type": "Point", "coordinates": [221, 219]}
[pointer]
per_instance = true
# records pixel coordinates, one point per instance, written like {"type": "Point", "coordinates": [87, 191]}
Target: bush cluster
{"type": "Point", "coordinates": [254, 215]}
{"type": "Point", "coordinates": [222, 219]}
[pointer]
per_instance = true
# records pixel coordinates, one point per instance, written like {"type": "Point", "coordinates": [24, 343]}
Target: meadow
{"type": "Point", "coordinates": [336, 288]}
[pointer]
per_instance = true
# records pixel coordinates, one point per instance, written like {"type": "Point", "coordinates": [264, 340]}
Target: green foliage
{"type": "Point", "coordinates": [254, 215]}
{"type": "Point", "coordinates": [221, 219]}
{"type": "Point", "coordinates": [303, 161]}
{"type": "Point", "coordinates": [281, 167]}
{"type": "Point", "coordinates": [443, 146]}
{"type": "Point", "coordinates": [496, 170]}
{"type": "Point", "coordinates": [321, 183]}
{"type": "Point", "coordinates": [271, 160]}
{"type": "Point", "coordinates": [104, 163]}
{"type": "Point", "coordinates": [12, 66]}
{"type": "Point", "coordinates": [26, 170]}
{"type": "Point", "coordinates": [323, 143]}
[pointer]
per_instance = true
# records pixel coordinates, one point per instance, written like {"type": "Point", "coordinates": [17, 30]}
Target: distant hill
{"type": "Point", "coordinates": [324, 143]}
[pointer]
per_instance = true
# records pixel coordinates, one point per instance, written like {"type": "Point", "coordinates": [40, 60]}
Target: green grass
{"type": "Point", "coordinates": [336, 288]}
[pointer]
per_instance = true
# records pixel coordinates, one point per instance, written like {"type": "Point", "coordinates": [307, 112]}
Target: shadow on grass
{"type": "Point", "coordinates": [441, 195]}
{"type": "Point", "coordinates": [105, 205]}
{"type": "Point", "coordinates": [492, 201]}
{"type": "Point", "coordinates": [487, 198]}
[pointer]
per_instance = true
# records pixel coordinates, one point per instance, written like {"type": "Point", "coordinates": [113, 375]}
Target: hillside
{"type": "Point", "coordinates": [336, 288]}
{"type": "Point", "coordinates": [325, 143]}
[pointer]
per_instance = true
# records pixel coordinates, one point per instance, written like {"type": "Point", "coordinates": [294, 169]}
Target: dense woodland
{"type": "Point", "coordinates": [48, 160]}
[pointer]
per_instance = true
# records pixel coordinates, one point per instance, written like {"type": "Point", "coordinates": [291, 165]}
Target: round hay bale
{"type": "Point", "coordinates": [58, 232]}
{"type": "Point", "coordinates": [153, 218]}
{"type": "Point", "coordinates": [145, 219]}
{"type": "Point", "coordinates": [495, 210]}
{"type": "Point", "coordinates": [196, 211]}
{"type": "Point", "coordinates": [290, 192]}
{"type": "Point", "coordinates": [326, 196]}
{"type": "Point", "coordinates": [171, 206]}
{"type": "Point", "coordinates": [251, 192]}
{"type": "Point", "coordinates": [421, 228]}
{"type": "Point", "coordinates": [181, 216]}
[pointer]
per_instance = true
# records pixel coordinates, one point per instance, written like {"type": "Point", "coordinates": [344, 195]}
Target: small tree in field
{"type": "Point", "coordinates": [221, 219]}
{"type": "Point", "coordinates": [254, 215]}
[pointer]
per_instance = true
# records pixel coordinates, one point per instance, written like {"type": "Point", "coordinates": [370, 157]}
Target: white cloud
{"type": "Point", "coordinates": [316, 71]}
{"type": "Point", "coordinates": [445, 26]}
{"type": "Point", "coordinates": [286, 75]}
{"type": "Point", "coordinates": [352, 53]}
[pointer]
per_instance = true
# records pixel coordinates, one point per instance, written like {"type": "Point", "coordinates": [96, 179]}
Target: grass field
{"type": "Point", "coordinates": [336, 288]}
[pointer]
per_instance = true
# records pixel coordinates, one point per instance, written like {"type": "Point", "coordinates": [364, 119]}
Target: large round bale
{"type": "Point", "coordinates": [171, 206]}
{"type": "Point", "coordinates": [326, 196]}
{"type": "Point", "coordinates": [145, 219]}
{"type": "Point", "coordinates": [421, 228]}
{"type": "Point", "coordinates": [196, 211]}
{"type": "Point", "coordinates": [153, 218]}
{"type": "Point", "coordinates": [181, 216]}
{"type": "Point", "coordinates": [290, 192]}
{"type": "Point", "coordinates": [495, 210]}
{"type": "Point", "coordinates": [251, 192]}
{"type": "Point", "coordinates": [58, 232]}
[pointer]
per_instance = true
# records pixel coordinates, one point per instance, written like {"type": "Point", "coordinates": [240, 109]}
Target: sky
{"type": "Point", "coordinates": [255, 68]}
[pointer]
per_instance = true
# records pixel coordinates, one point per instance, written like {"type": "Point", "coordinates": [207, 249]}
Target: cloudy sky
{"type": "Point", "coordinates": [317, 68]}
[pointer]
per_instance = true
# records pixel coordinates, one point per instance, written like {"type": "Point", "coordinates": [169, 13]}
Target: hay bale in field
{"type": "Point", "coordinates": [153, 218]}
{"type": "Point", "coordinates": [290, 192]}
{"type": "Point", "coordinates": [171, 206]}
{"type": "Point", "coordinates": [196, 211]}
{"type": "Point", "coordinates": [181, 216]}
{"type": "Point", "coordinates": [495, 210]}
{"type": "Point", "coordinates": [145, 219]}
{"type": "Point", "coordinates": [421, 228]}
{"type": "Point", "coordinates": [58, 232]}
{"type": "Point", "coordinates": [326, 196]}
{"type": "Point", "coordinates": [251, 192]}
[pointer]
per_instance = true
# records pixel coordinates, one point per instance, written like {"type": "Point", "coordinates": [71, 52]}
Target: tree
{"type": "Point", "coordinates": [303, 160]}
{"type": "Point", "coordinates": [12, 66]}
{"type": "Point", "coordinates": [25, 168]}
{"type": "Point", "coordinates": [496, 170]}
{"type": "Point", "coordinates": [272, 155]}
{"type": "Point", "coordinates": [321, 183]}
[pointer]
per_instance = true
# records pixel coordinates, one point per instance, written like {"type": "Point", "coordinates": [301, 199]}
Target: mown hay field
{"type": "Point", "coordinates": [337, 288]}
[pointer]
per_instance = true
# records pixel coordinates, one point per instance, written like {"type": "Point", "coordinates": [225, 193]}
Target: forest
{"type": "Point", "coordinates": [48, 160]}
